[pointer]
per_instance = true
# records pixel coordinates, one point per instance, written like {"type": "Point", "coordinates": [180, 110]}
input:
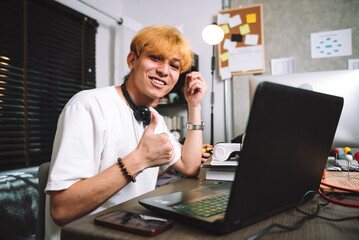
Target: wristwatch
{"type": "Point", "coordinates": [195, 127]}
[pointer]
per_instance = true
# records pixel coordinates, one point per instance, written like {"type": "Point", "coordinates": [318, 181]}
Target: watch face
{"type": "Point", "coordinates": [176, 134]}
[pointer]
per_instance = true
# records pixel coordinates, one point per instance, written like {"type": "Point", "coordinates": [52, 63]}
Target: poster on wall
{"type": "Point", "coordinates": [331, 44]}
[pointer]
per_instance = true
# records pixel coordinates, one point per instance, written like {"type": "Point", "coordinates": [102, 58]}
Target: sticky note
{"type": "Point", "coordinates": [225, 28]}
{"type": "Point", "coordinates": [224, 56]}
{"type": "Point", "coordinates": [251, 18]}
{"type": "Point", "coordinates": [244, 29]}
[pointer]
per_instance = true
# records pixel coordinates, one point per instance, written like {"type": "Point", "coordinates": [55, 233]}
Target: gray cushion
{"type": "Point", "coordinates": [18, 203]}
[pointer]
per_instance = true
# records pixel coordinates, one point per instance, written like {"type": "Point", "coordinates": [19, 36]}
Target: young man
{"type": "Point", "coordinates": [102, 154]}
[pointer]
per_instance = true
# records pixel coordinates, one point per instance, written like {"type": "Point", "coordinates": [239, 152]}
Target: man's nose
{"type": "Point", "coordinates": [162, 69]}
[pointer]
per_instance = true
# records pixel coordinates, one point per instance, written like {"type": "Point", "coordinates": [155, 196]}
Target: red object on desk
{"type": "Point", "coordinates": [356, 156]}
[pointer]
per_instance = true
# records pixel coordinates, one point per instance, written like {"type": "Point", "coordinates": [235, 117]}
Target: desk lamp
{"type": "Point", "coordinates": [212, 35]}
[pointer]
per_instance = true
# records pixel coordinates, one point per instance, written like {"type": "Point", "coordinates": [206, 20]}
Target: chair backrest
{"type": "Point", "coordinates": [43, 174]}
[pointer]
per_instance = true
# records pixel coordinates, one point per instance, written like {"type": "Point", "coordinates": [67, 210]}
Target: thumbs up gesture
{"type": "Point", "coordinates": [155, 149]}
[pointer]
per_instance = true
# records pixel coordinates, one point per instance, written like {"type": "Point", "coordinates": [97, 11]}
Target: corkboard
{"type": "Point", "coordinates": [242, 49]}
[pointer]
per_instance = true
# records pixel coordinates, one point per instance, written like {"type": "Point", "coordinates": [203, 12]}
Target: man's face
{"type": "Point", "coordinates": [155, 75]}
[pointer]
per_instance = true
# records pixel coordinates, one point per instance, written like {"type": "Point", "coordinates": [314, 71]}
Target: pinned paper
{"type": "Point", "coordinates": [236, 38]}
{"type": "Point", "coordinates": [224, 56]}
{"type": "Point", "coordinates": [229, 45]}
{"type": "Point", "coordinates": [225, 73]}
{"type": "Point", "coordinates": [251, 18]}
{"type": "Point", "coordinates": [251, 39]}
{"type": "Point", "coordinates": [244, 29]}
{"type": "Point", "coordinates": [246, 59]}
{"type": "Point", "coordinates": [235, 21]}
{"type": "Point", "coordinates": [225, 28]}
{"type": "Point", "coordinates": [223, 18]}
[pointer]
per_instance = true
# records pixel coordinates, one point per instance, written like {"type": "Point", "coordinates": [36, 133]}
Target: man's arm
{"type": "Point", "coordinates": [88, 194]}
{"type": "Point", "coordinates": [195, 90]}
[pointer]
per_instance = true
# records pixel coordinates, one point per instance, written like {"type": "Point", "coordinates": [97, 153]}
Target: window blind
{"type": "Point", "coordinates": [47, 54]}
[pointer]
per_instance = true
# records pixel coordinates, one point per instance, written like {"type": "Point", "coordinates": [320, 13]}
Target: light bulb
{"type": "Point", "coordinates": [212, 34]}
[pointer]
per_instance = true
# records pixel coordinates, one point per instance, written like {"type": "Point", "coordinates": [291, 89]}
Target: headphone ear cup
{"type": "Point", "coordinates": [143, 114]}
{"type": "Point", "coordinates": [148, 119]}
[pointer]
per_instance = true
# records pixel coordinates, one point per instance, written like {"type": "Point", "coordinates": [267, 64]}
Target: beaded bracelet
{"type": "Point", "coordinates": [123, 167]}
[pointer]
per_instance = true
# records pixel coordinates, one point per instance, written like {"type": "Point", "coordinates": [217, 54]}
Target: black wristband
{"type": "Point", "coordinates": [123, 167]}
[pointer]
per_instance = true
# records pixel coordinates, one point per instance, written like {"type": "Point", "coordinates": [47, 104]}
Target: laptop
{"type": "Point", "coordinates": [288, 138]}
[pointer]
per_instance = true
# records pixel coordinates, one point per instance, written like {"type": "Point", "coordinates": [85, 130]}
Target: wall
{"type": "Point", "coordinates": [287, 28]}
{"type": "Point", "coordinates": [113, 40]}
{"type": "Point", "coordinates": [105, 38]}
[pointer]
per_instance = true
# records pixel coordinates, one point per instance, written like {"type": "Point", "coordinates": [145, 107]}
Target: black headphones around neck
{"type": "Point", "coordinates": [141, 113]}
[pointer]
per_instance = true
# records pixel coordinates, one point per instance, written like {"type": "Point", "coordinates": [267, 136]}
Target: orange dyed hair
{"type": "Point", "coordinates": [166, 41]}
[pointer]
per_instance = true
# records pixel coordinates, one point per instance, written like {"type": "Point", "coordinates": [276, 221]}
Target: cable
{"type": "Point", "coordinates": [341, 188]}
{"type": "Point", "coordinates": [307, 215]}
{"type": "Point", "coordinates": [290, 228]}
{"type": "Point", "coordinates": [338, 202]}
{"type": "Point", "coordinates": [325, 204]}
{"type": "Point", "coordinates": [293, 227]}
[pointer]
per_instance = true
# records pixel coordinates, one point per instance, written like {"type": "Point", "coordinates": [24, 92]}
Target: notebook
{"type": "Point", "coordinates": [288, 138]}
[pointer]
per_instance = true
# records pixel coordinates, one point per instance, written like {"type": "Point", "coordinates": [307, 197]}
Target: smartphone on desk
{"type": "Point", "coordinates": [134, 222]}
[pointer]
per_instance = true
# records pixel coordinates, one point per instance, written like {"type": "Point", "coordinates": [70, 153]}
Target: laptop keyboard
{"type": "Point", "coordinates": [206, 207]}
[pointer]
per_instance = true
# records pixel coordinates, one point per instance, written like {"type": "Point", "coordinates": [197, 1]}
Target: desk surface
{"type": "Point", "coordinates": [84, 228]}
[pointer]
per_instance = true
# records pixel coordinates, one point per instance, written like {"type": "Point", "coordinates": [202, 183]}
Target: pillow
{"type": "Point", "coordinates": [18, 203]}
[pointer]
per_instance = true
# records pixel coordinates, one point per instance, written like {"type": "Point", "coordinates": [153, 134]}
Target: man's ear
{"type": "Point", "coordinates": [131, 57]}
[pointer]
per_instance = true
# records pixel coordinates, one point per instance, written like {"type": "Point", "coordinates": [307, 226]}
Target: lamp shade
{"type": "Point", "coordinates": [212, 34]}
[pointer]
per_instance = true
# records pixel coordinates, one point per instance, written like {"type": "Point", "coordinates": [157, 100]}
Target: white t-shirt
{"type": "Point", "coordinates": [95, 128]}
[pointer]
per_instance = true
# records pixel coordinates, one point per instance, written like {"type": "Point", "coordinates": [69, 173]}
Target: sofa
{"type": "Point", "coordinates": [18, 203]}
{"type": "Point", "coordinates": [19, 199]}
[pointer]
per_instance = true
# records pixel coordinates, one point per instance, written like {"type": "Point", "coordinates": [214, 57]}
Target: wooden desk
{"type": "Point", "coordinates": [84, 228]}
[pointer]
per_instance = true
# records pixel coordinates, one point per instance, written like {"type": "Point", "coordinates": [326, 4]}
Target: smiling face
{"type": "Point", "coordinates": [152, 76]}
{"type": "Point", "coordinates": [158, 55]}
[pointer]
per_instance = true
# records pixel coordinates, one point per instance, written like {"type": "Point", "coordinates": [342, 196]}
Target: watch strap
{"type": "Point", "coordinates": [195, 127]}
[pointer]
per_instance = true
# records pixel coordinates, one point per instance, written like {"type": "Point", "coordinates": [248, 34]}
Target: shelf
{"type": "Point", "coordinates": [172, 105]}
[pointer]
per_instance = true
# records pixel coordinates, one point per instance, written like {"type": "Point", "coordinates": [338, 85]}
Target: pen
{"type": "Point", "coordinates": [206, 149]}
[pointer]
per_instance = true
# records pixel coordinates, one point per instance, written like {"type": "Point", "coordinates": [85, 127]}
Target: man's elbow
{"type": "Point", "coordinates": [193, 171]}
{"type": "Point", "coordinates": [59, 216]}
{"type": "Point", "coordinates": [60, 213]}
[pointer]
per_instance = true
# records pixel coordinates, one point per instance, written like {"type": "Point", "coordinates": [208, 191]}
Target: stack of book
{"type": "Point", "coordinates": [221, 170]}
